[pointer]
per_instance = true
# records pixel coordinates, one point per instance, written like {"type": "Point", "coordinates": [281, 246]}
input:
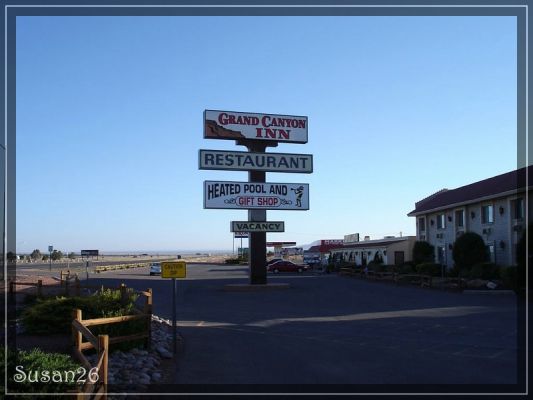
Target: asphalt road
{"type": "Point", "coordinates": [327, 329]}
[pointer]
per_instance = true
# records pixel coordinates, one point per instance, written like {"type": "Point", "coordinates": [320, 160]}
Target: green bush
{"type": "Point", "coordinates": [469, 250]}
{"type": "Point", "coordinates": [54, 315]}
{"type": "Point", "coordinates": [406, 268]}
{"type": "Point", "coordinates": [431, 269]}
{"type": "Point", "coordinates": [376, 266]}
{"type": "Point", "coordinates": [485, 270]}
{"type": "Point", "coordinates": [422, 252]}
{"type": "Point", "coordinates": [23, 366]}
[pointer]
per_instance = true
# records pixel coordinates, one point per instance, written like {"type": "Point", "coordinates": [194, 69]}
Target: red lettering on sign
{"type": "Point", "coordinates": [245, 201]}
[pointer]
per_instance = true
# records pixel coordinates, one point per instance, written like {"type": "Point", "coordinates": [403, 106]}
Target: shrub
{"type": "Point", "coordinates": [376, 266]}
{"type": "Point", "coordinates": [233, 260]}
{"type": "Point", "coordinates": [468, 250]}
{"type": "Point", "coordinates": [509, 276]}
{"type": "Point", "coordinates": [37, 362]}
{"type": "Point", "coordinates": [431, 269]}
{"type": "Point", "coordinates": [54, 315]}
{"type": "Point", "coordinates": [406, 268]}
{"type": "Point", "coordinates": [423, 252]}
{"type": "Point", "coordinates": [485, 270]}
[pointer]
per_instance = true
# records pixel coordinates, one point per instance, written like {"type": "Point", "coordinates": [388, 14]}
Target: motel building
{"type": "Point", "coordinates": [391, 250]}
{"type": "Point", "coordinates": [494, 208]}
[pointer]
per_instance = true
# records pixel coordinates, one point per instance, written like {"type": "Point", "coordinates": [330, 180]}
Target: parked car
{"type": "Point", "coordinates": [273, 261]}
{"type": "Point", "coordinates": [155, 268]}
{"type": "Point", "coordinates": [286, 266]}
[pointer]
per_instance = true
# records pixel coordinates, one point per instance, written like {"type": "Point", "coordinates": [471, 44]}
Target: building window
{"type": "Point", "coordinates": [441, 221]}
{"type": "Point", "coordinates": [421, 224]}
{"type": "Point", "coordinates": [487, 214]}
{"type": "Point", "coordinates": [460, 219]}
{"type": "Point", "coordinates": [517, 208]}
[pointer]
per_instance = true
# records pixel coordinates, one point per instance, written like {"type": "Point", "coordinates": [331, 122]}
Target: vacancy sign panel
{"type": "Point", "coordinates": [249, 161]}
{"type": "Point", "coordinates": [256, 195]}
{"type": "Point", "coordinates": [257, 226]}
{"type": "Point", "coordinates": [238, 126]}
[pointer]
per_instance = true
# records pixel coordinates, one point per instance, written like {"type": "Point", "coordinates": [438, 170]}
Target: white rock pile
{"type": "Point", "coordinates": [137, 368]}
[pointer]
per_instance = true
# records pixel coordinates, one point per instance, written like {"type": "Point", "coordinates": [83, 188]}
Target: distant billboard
{"type": "Point", "coordinates": [240, 235]}
{"type": "Point", "coordinates": [353, 238]}
{"type": "Point", "coordinates": [89, 253]}
{"type": "Point", "coordinates": [234, 125]}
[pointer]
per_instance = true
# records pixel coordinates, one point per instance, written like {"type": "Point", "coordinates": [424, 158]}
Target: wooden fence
{"type": "Point", "coordinates": [80, 330]}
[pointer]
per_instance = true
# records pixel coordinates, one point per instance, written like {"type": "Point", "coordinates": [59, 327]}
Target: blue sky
{"type": "Point", "coordinates": [109, 121]}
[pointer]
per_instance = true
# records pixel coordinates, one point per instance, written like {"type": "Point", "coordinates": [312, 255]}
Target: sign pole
{"type": "Point", "coordinates": [257, 240]}
{"type": "Point", "coordinates": [174, 314]}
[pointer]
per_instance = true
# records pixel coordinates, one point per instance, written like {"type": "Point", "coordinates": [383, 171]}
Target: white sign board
{"type": "Point", "coordinates": [257, 226]}
{"type": "Point", "coordinates": [353, 238]}
{"type": "Point", "coordinates": [241, 235]}
{"type": "Point", "coordinates": [238, 125]}
{"type": "Point", "coordinates": [249, 161]}
{"type": "Point", "coordinates": [256, 195]}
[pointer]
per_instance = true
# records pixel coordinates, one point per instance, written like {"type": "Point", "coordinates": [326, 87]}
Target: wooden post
{"type": "Point", "coordinates": [61, 277]}
{"type": "Point", "coordinates": [40, 288]}
{"type": "Point", "coordinates": [103, 347]}
{"type": "Point", "coordinates": [76, 335]}
{"type": "Point", "coordinates": [123, 294]}
{"type": "Point", "coordinates": [148, 310]}
{"type": "Point", "coordinates": [77, 285]}
{"type": "Point", "coordinates": [66, 287]}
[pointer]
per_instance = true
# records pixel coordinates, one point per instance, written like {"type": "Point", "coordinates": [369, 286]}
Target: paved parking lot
{"type": "Point", "coordinates": [327, 329]}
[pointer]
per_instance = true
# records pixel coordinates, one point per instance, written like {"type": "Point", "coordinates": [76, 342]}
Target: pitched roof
{"type": "Point", "coordinates": [508, 182]}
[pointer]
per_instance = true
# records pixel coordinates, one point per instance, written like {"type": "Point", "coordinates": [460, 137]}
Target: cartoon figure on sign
{"type": "Point", "coordinates": [298, 192]}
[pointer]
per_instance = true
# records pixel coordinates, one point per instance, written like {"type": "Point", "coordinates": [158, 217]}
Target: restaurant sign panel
{"type": "Point", "coordinates": [233, 125]}
{"type": "Point", "coordinates": [256, 195]}
{"type": "Point", "coordinates": [249, 161]}
{"type": "Point", "coordinates": [257, 226]}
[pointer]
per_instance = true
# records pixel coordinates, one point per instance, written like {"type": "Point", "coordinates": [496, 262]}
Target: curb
{"type": "Point", "coordinates": [488, 292]}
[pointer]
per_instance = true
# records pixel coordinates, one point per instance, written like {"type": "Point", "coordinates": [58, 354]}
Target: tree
{"type": "Point", "coordinates": [469, 249]}
{"type": "Point", "coordinates": [71, 255]}
{"type": "Point", "coordinates": [378, 259]}
{"type": "Point", "coordinates": [36, 254]}
{"type": "Point", "coordinates": [11, 257]}
{"type": "Point", "coordinates": [423, 252]}
{"type": "Point", "coordinates": [57, 255]}
{"type": "Point", "coordinates": [45, 257]}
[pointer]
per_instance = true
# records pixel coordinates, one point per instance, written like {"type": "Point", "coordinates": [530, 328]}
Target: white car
{"type": "Point", "coordinates": [155, 268]}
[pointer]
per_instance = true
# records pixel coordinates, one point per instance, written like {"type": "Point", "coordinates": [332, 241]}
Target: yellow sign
{"type": "Point", "coordinates": [173, 269]}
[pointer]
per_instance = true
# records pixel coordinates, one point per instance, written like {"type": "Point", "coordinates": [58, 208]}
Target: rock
{"type": "Point", "coordinates": [144, 376]}
{"type": "Point", "coordinates": [492, 285]}
{"type": "Point", "coordinates": [476, 283]}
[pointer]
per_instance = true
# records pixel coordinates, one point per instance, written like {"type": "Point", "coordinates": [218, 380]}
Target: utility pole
{"type": "Point", "coordinates": [4, 228]}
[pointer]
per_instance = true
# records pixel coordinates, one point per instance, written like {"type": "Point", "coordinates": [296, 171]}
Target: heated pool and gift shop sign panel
{"type": "Point", "coordinates": [256, 195]}
{"type": "Point", "coordinates": [240, 125]}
